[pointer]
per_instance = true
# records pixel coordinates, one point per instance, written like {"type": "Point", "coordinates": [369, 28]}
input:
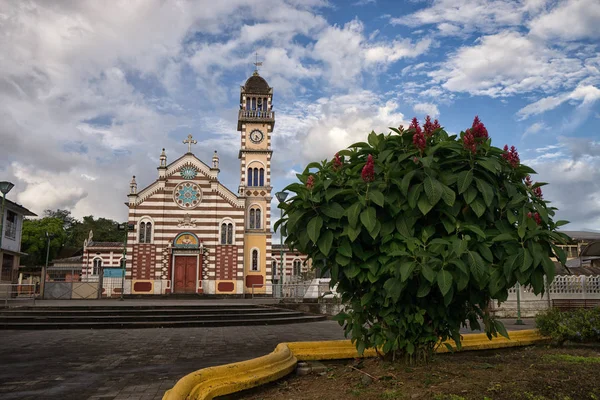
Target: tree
{"type": "Point", "coordinates": [35, 243]}
{"type": "Point", "coordinates": [421, 231]}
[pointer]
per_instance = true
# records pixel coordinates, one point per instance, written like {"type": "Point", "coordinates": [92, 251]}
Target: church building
{"type": "Point", "coordinates": [191, 234]}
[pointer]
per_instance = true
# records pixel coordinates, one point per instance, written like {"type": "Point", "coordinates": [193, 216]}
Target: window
{"type": "Point", "coordinates": [255, 176]}
{"type": "Point", "coordinates": [97, 264]}
{"type": "Point", "coordinates": [250, 176]}
{"type": "Point", "coordinates": [255, 260]}
{"type": "Point", "coordinates": [226, 233]}
{"type": "Point", "coordinates": [145, 234]}
{"type": "Point", "coordinates": [262, 177]}
{"type": "Point", "coordinates": [255, 221]}
{"type": "Point", "coordinates": [11, 225]}
{"type": "Point", "coordinates": [7, 267]}
{"type": "Point", "coordinates": [297, 267]}
{"type": "Point", "coordinates": [252, 219]}
{"type": "Point", "coordinates": [258, 219]}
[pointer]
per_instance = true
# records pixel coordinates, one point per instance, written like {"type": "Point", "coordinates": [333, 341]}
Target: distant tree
{"type": "Point", "coordinates": [63, 215]}
{"type": "Point", "coordinates": [35, 243]}
{"type": "Point", "coordinates": [105, 230]}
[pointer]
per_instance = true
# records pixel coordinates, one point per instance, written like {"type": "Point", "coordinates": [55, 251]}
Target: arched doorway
{"type": "Point", "coordinates": [187, 261]}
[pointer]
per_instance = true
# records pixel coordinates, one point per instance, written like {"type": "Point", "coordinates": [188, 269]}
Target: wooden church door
{"type": "Point", "coordinates": [185, 274]}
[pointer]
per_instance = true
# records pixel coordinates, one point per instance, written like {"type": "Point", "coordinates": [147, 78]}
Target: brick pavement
{"type": "Point", "coordinates": [139, 363]}
{"type": "Point", "coordinates": [131, 364]}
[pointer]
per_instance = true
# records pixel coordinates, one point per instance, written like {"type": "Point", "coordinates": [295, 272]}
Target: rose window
{"type": "Point", "coordinates": [187, 195]}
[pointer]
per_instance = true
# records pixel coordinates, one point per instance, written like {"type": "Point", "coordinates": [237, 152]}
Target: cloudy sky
{"type": "Point", "coordinates": [90, 91]}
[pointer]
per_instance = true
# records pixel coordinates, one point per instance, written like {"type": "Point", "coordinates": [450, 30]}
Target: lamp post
{"type": "Point", "coordinates": [126, 228]}
{"type": "Point", "coordinates": [49, 236]}
{"type": "Point", "coordinates": [5, 187]}
{"type": "Point", "coordinates": [519, 320]}
{"type": "Point", "coordinates": [281, 196]}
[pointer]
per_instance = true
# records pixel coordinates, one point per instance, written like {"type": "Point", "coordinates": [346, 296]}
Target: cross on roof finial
{"type": "Point", "coordinates": [256, 63]}
{"type": "Point", "coordinates": [190, 142]}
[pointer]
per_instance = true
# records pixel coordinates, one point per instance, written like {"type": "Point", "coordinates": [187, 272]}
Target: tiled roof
{"type": "Point", "coordinates": [105, 244]}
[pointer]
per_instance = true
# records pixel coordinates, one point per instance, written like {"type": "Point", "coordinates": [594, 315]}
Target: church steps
{"type": "Point", "coordinates": [125, 317]}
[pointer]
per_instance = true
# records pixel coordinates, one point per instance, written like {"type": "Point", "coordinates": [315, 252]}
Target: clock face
{"type": "Point", "coordinates": [256, 136]}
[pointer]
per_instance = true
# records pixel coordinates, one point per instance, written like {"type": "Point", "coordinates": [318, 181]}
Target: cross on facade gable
{"type": "Point", "coordinates": [257, 63]}
{"type": "Point", "coordinates": [190, 142]}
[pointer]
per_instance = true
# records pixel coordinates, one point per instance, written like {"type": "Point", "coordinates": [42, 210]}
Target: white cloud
{"type": "Point", "coordinates": [427, 109]}
{"type": "Point", "coordinates": [505, 64]}
{"type": "Point", "coordinates": [535, 128]}
{"type": "Point", "coordinates": [570, 20]}
{"type": "Point", "coordinates": [586, 95]}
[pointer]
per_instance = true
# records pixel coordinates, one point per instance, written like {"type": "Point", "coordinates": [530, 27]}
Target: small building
{"type": "Point", "coordinates": [10, 247]}
{"type": "Point", "coordinates": [579, 240]}
{"type": "Point", "coordinates": [296, 266]}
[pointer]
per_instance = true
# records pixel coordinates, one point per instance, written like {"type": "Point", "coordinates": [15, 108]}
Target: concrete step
{"type": "Point", "coordinates": [129, 311]}
{"type": "Point", "coordinates": [151, 317]}
{"type": "Point", "coordinates": [160, 324]}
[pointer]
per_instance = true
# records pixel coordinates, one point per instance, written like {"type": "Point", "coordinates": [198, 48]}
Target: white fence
{"type": "Point", "coordinates": [564, 287]}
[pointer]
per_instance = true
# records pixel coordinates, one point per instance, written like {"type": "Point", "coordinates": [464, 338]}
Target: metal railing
{"type": "Point", "coordinates": [295, 292]}
{"type": "Point", "coordinates": [10, 292]}
{"type": "Point", "coordinates": [251, 114]}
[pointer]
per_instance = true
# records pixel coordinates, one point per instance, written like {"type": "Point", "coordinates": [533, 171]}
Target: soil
{"type": "Point", "coordinates": [531, 373]}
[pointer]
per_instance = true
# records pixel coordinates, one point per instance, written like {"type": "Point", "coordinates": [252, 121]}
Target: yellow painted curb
{"type": "Point", "coordinates": [207, 383]}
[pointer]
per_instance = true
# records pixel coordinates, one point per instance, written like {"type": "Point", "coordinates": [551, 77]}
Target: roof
{"type": "Point", "coordinates": [256, 84]}
{"type": "Point", "coordinates": [105, 244]}
{"type": "Point", "coordinates": [20, 208]}
{"type": "Point", "coordinates": [582, 235]}
{"type": "Point", "coordinates": [68, 260]}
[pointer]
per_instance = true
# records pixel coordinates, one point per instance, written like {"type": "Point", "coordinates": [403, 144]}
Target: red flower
{"type": "Point", "coordinates": [368, 171]}
{"type": "Point", "coordinates": [310, 182]}
{"type": "Point", "coordinates": [529, 215]}
{"type": "Point", "coordinates": [414, 124]}
{"type": "Point", "coordinates": [469, 142]}
{"type": "Point", "coordinates": [416, 160]}
{"type": "Point", "coordinates": [528, 181]}
{"type": "Point", "coordinates": [337, 162]}
{"type": "Point", "coordinates": [478, 129]}
{"type": "Point", "coordinates": [436, 124]}
{"type": "Point", "coordinates": [428, 126]}
{"type": "Point", "coordinates": [418, 138]}
{"type": "Point", "coordinates": [538, 192]}
{"type": "Point", "coordinates": [538, 219]}
{"type": "Point", "coordinates": [401, 128]}
{"type": "Point", "coordinates": [511, 156]}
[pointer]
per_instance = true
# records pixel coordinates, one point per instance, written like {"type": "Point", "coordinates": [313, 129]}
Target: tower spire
{"type": "Point", "coordinates": [256, 64]}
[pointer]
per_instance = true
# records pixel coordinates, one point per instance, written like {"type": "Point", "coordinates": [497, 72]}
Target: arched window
{"type": "Point", "coordinates": [262, 177]}
{"type": "Point", "coordinates": [142, 233]}
{"type": "Point", "coordinates": [252, 218]}
{"type": "Point", "coordinates": [229, 233]}
{"type": "Point", "coordinates": [148, 232]}
{"type": "Point", "coordinates": [249, 176]}
{"type": "Point", "coordinates": [255, 260]}
{"type": "Point", "coordinates": [97, 264]}
{"type": "Point", "coordinates": [258, 219]}
{"type": "Point", "coordinates": [265, 103]}
{"type": "Point", "coordinates": [255, 176]}
{"type": "Point", "coordinates": [297, 267]}
{"type": "Point", "coordinates": [223, 233]}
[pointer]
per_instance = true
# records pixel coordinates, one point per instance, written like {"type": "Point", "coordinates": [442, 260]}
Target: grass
{"type": "Point", "coordinates": [571, 359]}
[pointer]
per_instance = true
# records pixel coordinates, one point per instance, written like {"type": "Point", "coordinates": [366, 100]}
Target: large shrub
{"type": "Point", "coordinates": [581, 325]}
{"type": "Point", "coordinates": [420, 231]}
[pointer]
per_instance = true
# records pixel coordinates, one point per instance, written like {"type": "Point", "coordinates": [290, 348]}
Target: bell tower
{"type": "Point", "coordinates": [256, 120]}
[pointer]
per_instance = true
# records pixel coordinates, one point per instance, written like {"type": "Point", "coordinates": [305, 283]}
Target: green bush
{"type": "Point", "coordinates": [420, 231]}
{"type": "Point", "coordinates": [581, 325]}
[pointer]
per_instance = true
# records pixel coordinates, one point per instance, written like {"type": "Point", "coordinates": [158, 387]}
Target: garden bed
{"type": "Point", "coordinates": [535, 373]}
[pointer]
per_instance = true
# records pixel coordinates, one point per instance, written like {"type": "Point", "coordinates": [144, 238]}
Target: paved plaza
{"type": "Point", "coordinates": [140, 364]}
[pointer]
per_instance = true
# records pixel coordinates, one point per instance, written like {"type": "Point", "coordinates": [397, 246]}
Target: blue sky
{"type": "Point", "coordinates": [91, 92]}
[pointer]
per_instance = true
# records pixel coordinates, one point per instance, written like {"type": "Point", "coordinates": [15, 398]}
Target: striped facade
{"type": "Point", "coordinates": [189, 233]}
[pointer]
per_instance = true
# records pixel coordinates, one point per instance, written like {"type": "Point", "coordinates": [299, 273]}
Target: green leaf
{"type": "Point", "coordinates": [352, 271]}
{"type": "Point", "coordinates": [503, 237]}
{"type": "Point", "coordinates": [448, 195]}
{"type": "Point", "coordinates": [406, 181]}
{"type": "Point", "coordinates": [369, 218]}
{"type": "Point", "coordinates": [393, 287]}
{"type": "Point", "coordinates": [334, 210]}
{"type": "Point", "coordinates": [404, 225]}
{"type": "Point", "coordinates": [527, 260]}
{"type": "Point", "coordinates": [500, 328]}
{"type": "Point", "coordinates": [325, 242]}
{"type": "Point", "coordinates": [353, 232]}
{"type": "Point", "coordinates": [549, 268]}
{"type": "Point", "coordinates": [464, 180]}
{"type": "Point", "coordinates": [353, 213]}
{"type": "Point", "coordinates": [341, 260]}
{"type": "Point", "coordinates": [561, 223]}
{"type": "Point", "coordinates": [478, 268]}
{"type": "Point", "coordinates": [478, 207]}
{"type": "Point", "coordinates": [424, 289]}
{"type": "Point", "coordinates": [459, 246]}
{"type": "Point", "coordinates": [424, 204]}
{"type": "Point", "coordinates": [433, 190]}
{"type": "Point", "coordinates": [413, 195]}
{"type": "Point", "coordinates": [294, 218]}
{"type": "Point", "coordinates": [470, 195]}
{"type": "Point", "coordinates": [375, 231]}
{"type": "Point", "coordinates": [444, 281]}
{"type": "Point", "coordinates": [475, 229]}
{"type": "Point", "coordinates": [448, 224]}
{"type": "Point", "coordinates": [377, 197]}
{"type": "Point", "coordinates": [406, 270]}
{"type": "Point", "coordinates": [345, 248]}
{"type": "Point", "coordinates": [331, 193]}
{"type": "Point", "coordinates": [485, 252]}
{"type": "Point", "coordinates": [489, 164]}
{"type": "Point", "coordinates": [486, 190]}
{"type": "Point", "coordinates": [512, 263]}
{"type": "Point", "coordinates": [428, 272]}
{"type": "Point", "coordinates": [314, 228]}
